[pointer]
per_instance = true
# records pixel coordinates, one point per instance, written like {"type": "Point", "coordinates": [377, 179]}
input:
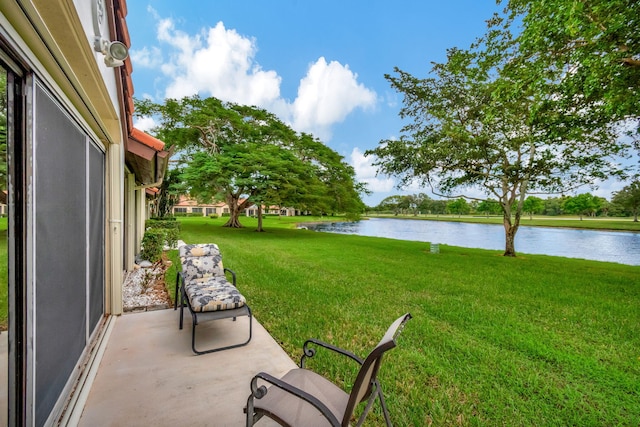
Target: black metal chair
{"type": "Point", "coordinates": [304, 398]}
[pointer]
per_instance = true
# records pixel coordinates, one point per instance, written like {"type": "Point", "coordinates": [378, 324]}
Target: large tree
{"type": "Point", "coordinates": [245, 155]}
{"type": "Point", "coordinates": [339, 192]}
{"type": "Point", "coordinates": [533, 205]}
{"type": "Point", "coordinates": [629, 199]}
{"type": "Point", "coordinates": [592, 46]}
{"type": "Point", "coordinates": [490, 119]}
{"type": "Point", "coordinates": [581, 204]}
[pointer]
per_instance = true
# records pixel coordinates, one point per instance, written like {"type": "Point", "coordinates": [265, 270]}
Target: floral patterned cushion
{"type": "Point", "coordinates": [200, 261]}
{"type": "Point", "coordinates": [202, 267]}
{"type": "Point", "coordinates": [199, 249]}
{"type": "Point", "coordinates": [214, 295]}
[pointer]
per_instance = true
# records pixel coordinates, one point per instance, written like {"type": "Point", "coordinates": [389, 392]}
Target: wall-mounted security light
{"type": "Point", "coordinates": [114, 52]}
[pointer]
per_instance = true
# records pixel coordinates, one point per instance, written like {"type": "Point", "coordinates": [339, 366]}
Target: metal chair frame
{"type": "Point", "coordinates": [197, 316]}
{"type": "Point", "coordinates": [366, 386]}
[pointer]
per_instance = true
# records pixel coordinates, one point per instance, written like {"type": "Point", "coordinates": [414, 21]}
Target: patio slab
{"type": "Point", "coordinates": [149, 375]}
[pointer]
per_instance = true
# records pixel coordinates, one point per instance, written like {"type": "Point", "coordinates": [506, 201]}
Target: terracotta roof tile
{"type": "Point", "coordinates": [147, 139]}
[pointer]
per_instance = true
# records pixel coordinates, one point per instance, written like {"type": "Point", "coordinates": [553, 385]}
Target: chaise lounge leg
{"type": "Point", "coordinates": [183, 297]}
{"type": "Point", "coordinates": [175, 299]}
{"type": "Point", "coordinates": [193, 335]}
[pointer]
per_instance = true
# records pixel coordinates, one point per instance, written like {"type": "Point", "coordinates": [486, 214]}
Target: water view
{"type": "Point", "coordinates": [611, 246]}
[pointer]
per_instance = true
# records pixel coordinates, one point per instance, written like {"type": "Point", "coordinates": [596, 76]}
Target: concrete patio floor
{"type": "Point", "coordinates": [148, 375]}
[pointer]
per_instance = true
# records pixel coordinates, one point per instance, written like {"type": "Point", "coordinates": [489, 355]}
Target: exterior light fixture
{"type": "Point", "coordinates": [115, 52]}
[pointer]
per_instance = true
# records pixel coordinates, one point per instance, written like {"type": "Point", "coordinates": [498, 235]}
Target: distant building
{"type": "Point", "coordinates": [186, 205]}
{"type": "Point", "coordinates": [190, 206]}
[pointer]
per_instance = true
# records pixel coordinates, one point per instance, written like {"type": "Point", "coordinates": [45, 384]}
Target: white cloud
{"type": "Point", "coordinates": [222, 63]}
{"type": "Point", "coordinates": [146, 57]}
{"type": "Point", "coordinates": [145, 124]}
{"type": "Point", "coordinates": [326, 95]}
{"type": "Point", "coordinates": [219, 62]}
{"type": "Point", "coordinates": [367, 173]}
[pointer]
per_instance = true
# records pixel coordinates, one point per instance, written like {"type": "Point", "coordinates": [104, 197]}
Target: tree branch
{"type": "Point", "coordinates": [631, 62]}
{"type": "Point", "coordinates": [209, 144]}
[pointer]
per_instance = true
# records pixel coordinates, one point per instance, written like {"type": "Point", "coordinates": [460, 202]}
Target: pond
{"type": "Point", "coordinates": [611, 246]}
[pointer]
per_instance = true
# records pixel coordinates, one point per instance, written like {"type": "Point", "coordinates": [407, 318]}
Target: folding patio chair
{"type": "Point", "coordinates": [304, 398]}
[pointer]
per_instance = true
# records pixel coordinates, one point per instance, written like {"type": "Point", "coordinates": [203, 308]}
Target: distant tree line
{"type": "Point", "coordinates": [624, 203]}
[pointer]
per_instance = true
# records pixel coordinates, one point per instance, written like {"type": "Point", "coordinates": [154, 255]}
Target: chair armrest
{"type": "Point", "coordinates": [310, 352]}
{"type": "Point", "coordinates": [233, 275]}
{"type": "Point", "coordinates": [260, 392]}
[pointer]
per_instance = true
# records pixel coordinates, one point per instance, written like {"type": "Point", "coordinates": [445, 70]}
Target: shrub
{"type": "Point", "coordinates": [213, 216]}
{"type": "Point", "coordinates": [152, 244]}
{"type": "Point", "coordinates": [163, 218]}
{"type": "Point", "coordinates": [170, 228]}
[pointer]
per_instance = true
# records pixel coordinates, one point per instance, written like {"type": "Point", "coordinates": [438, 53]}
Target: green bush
{"type": "Point", "coordinates": [170, 228]}
{"type": "Point", "coordinates": [171, 236]}
{"type": "Point", "coordinates": [163, 218]}
{"type": "Point", "coordinates": [213, 216]}
{"type": "Point", "coordinates": [152, 244]}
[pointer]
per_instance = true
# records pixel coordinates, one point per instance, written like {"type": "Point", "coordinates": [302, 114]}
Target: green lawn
{"type": "Point", "coordinates": [530, 341]}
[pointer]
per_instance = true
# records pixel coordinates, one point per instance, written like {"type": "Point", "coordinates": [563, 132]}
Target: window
{"type": "Point", "coordinates": [69, 191]}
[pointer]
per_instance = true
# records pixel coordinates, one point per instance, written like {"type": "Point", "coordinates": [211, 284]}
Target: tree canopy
{"type": "Point", "coordinates": [593, 46]}
{"type": "Point", "coordinates": [582, 204]}
{"type": "Point", "coordinates": [246, 155]}
{"type": "Point", "coordinates": [629, 198]}
{"type": "Point", "coordinates": [497, 119]}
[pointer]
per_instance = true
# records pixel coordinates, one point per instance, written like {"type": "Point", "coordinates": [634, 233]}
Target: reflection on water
{"type": "Point", "coordinates": [612, 246]}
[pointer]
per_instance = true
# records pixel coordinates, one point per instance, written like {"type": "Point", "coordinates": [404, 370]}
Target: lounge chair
{"type": "Point", "coordinates": [304, 398]}
{"type": "Point", "coordinates": [205, 290]}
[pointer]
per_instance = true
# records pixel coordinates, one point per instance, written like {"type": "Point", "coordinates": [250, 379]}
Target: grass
{"type": "Point", "coordinates": [533, 340]}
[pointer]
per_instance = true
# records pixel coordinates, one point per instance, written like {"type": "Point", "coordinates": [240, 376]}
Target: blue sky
{"type": "Point", "coordinates": [318, 65]}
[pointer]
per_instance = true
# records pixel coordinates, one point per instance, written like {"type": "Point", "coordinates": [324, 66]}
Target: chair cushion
{"type": "Point", "coordinates": [215, 294]}
{"type": "Point", "coordinates": [202, 267]}
{"type": "Point", "coordinates": [199, 249]}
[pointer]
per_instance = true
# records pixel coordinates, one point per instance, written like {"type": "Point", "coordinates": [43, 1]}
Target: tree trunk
{"type": "Point", "coordinates": [510, 239]}
{"type": "Point", "coordinates": [259, 218]}
{"type": "Point", "coordinates": [510, 230]}
{"type": "Point", "coordinates": [234, 213]}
